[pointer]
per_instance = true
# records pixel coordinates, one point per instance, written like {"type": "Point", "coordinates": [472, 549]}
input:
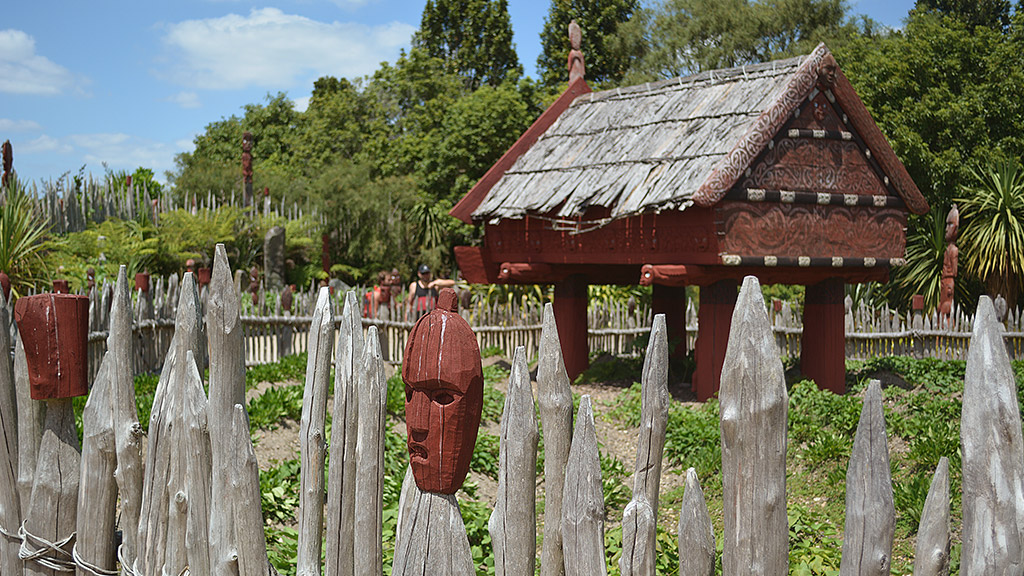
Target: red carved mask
{"type": "Point", "coordinates": [444, 390]}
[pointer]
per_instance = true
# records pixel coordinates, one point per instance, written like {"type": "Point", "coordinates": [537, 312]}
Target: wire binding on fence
{"type": "Point", "coordinates": [60, 561]}
{"type": "Point", "coordinates": [84, 564]}
{"type": "Point", "coordinates": [126, 568]}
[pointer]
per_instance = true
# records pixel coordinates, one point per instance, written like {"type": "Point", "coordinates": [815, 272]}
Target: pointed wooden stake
{"type": "Point", "coordinates": [432, 538]}
{"type": "Point", "coordinates": [31, 418]}
{"type": "Point", "coordinates": [993, 454]}
{"type": "Point", "coordinates": [513, 523]}
{"type": "Point", "coordinates": [243, 492]}
{"type": "Point", "coordinates": [696, 536]}
{"type": "Point", "coordinates": [754, 406]}
{"type": "Point", "coordinates": [931, 554]}
{"type": "Point", "coordinates": [555, 399]}
{"type": "Point", "coordinates": [870, 514]}
{"type": "Point", "coordinates": [369, 488]}
{"type": "Point", "coordinates": [640, 519]}
{"type": "Point", "coordinates": [583, 500]}
{"type": "Point", "coordinates": [341, 481]}
{"type": "Point", "coordinates": [312, 437]}
{"type": "Point", "coordinates": [10, 500]}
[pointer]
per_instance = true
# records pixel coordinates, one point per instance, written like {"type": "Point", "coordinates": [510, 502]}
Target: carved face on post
{"type": "Point", "coordinates": [952, 223]}
{"type": "Point", "coordinates": [443, 396]}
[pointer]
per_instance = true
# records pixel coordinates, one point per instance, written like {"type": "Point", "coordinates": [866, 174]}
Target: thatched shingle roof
{"type": "Point", "coordinates": [661, 145]}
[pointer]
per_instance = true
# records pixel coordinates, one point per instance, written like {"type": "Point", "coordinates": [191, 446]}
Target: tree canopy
{"type": "Point", "coordinates": [607, 57]}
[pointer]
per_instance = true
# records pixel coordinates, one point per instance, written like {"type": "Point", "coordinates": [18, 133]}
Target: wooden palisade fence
{"type": "Point", "coordinates": [191, 503]}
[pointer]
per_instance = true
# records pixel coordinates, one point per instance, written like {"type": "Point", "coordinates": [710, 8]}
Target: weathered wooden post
{"type": "Point", "coordinates": [341, 476]}
{"type": "Point", "coordinates": [640, 519]}
{"type": "Point", "coordinates": [232, 545]}
{"type": "Point", "coordinates": [112, 447]}
{"type": "Point", "coordinates": [931, 554]}
{"type": "Point", "coordinates": [583, 500]}
{"type": "Point", "coordinates": [870, 514]}
{"type": "Point", "coordinates": [555, 399]}
{"type": "Point", "coordinates": [369, 488]}
{"type": "Point", "coordinates": [513, 523]}
{"type": "Point", "coordinates": [696, 535]}
{"type": "Point", "coordinates": [992, 447]}
{"type": "Point", "coordinates": [312, 437]}
{"type": "Point", "coordinates": [432, 538]}
{"type": "Point", "coordinates": [10, 501]}
{"type": "Point", "coordinates": [31, 416]}
{"type": "Point", "coordinates": [754, 406]}
{"type": "Point", "coordinates": [177, 452]}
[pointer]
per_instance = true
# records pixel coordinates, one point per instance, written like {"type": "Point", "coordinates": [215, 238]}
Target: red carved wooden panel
{"type": "Point", "coordinates": [794, 230]}
{"type": "Point", "coordinates": [817, 165]}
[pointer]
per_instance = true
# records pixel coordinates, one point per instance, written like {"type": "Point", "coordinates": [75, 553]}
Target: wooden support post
{"type": "Point", "coordinates": [372, 398]}
{"type": "Point", "coordinates": [671, 301]}
{"type": "Point", "coordinates": [570, 308]}
{"type": "Point", "coordinates": [823, 344]}
{"type": "Point", "coordinates": [714, 316]}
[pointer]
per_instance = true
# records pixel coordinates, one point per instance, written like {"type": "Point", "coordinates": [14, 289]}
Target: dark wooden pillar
{"type": "Point", "coordinates": [823, 345]}
{"type": "Point", "coordinates": [570, 307]}
{"type": "Point", "coordinates": [714, 317]}
{"type": "Point", "coordinates": [671, 301]}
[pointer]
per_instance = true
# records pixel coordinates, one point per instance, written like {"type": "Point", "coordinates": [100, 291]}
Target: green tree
{"type": "Point", "coordinates": [607, 58]}
{"type": "Point", "coordinates": [992, 237]}
{"type": "Point", "coordinates": [688, 36]}
{"type": "Point", "coordinates": [334, 125]}
{"type": "Point", "coordinates": [990, 13]}
{"type": "Point", "coordinates": [472, 37]}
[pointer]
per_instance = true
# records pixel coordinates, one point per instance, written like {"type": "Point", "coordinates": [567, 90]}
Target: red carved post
{"type": "Point", "coordinates": [823, 344]}
{"type": "Point", "coordinates": [142, 281]}
{"type": "Point", "coordinates": [714, 318]}
{"type": "Point", "coordinates": [5, 285]}
{"type": "Point", "coordinates": [203, 276]}
{"type": "Point", "coordinates": [60, 286]}
{"type": "Point", "coordinates": [54, 329]}
{"type": "Point", "coordinates": [444, 389]}
{"type": "Point", "coordinates": [671, 301]}
{"type": "Point", "coordinates": [247, 168]}
{"type": "Point", "coordinates": [576, 65]}
{"type": "Point", "coordinates": [570, 308]}
{"type": "Point", "coordinates": [947, 287]}
{"type": "Point", "coordinates": [8, 159]}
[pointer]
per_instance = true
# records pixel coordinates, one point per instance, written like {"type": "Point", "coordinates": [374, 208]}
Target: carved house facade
{"type": "Point", "coordinates": [775, 170]}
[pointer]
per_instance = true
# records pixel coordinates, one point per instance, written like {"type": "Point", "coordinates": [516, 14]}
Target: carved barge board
{"type": "Point", "coordinates": [513, 523]}
{"type": "Point", "coordinates": [870, 513]}
{"type": "Point", "coordinates": [554, 397]}
{"type": "Point", "coordinates": [754, 407]}
{"type": "Point", "coordinates": [640, 519]}
{"type": "Point", "coordinates": [992, 447]}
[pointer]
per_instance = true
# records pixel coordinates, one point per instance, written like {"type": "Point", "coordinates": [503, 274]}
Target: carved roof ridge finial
{"type": "Point", "coordinates": [576, 65]}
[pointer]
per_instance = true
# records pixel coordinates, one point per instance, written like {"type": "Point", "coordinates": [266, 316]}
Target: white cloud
{"type": "Point", "coordinates": [269, 48]}
{"type": "Point", "coordinates": [8, 125]}
{"type": "Point", "coordinates": [44, 143]}
{"type": "Point", "coordinates": [22, 71]}
{"type": "Point", "coordinates": [301, 104]}
{"type": "Point", "coordinates": [186, 100]}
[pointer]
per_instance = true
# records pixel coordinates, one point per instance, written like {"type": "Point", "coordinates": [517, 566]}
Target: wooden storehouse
{"type": "Point", "coordinates": [775, 170]}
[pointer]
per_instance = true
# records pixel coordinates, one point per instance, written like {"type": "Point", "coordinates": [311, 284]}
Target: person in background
{"type": "Point", "coordinates": [377, 300]}
{"type": "Point", "coordinates": [423, 293]}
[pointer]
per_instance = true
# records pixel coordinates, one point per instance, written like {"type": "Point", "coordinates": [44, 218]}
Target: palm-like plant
{"type": "Point", "coordinates": [922, 273]}
{"type": "Point", "coordinates": [992, 237]}
{"type": "Point", "coordinates": [22, 239]}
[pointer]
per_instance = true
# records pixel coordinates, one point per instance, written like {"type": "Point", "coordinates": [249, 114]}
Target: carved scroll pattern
{"type": "Point", "coordinates": [814, 231]}
{"type": "Point", "coordinates": [731, 167]}
{"type": "Point", "coordinates": [816, 165]}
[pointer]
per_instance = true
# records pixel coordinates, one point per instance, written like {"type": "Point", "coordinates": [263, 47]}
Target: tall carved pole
{"type": "Point", "coordinates": [577, 66]}
{"type": "Point", "coordinates": [8, 157]}
{"type": "Point", "coordinates": [949, 264]}
{"type": "Point", "coordinates": [247, 168]}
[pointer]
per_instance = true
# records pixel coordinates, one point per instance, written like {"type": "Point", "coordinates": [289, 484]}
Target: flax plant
{"type": "Point", "coordinates": [992, 232]}
{"type": "Point", "coordinates": [23, 233]}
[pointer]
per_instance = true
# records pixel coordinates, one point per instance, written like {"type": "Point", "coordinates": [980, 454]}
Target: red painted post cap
{"type": "Point", "coordinates": [917, 302]}
{"type": "Point", "coordinates": [142, 281]}
{"type": "Point", "coordinates": [54, 329]}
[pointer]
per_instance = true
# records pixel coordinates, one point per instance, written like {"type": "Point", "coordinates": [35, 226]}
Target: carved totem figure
{"type": "Point", "coordinates": [8, 158]}
{"type": "Point", "coordinates": [247, 166]}
{"type": "Point", "coordinates": [444, 392]}
{"type": "Point", "coordinates": [949, 263]}
{"type": "Point", "coordinates": [577, 67]}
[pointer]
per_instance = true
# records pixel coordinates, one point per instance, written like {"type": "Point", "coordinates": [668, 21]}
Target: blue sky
{"type": "Point", "coordinates": [131, 83]}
